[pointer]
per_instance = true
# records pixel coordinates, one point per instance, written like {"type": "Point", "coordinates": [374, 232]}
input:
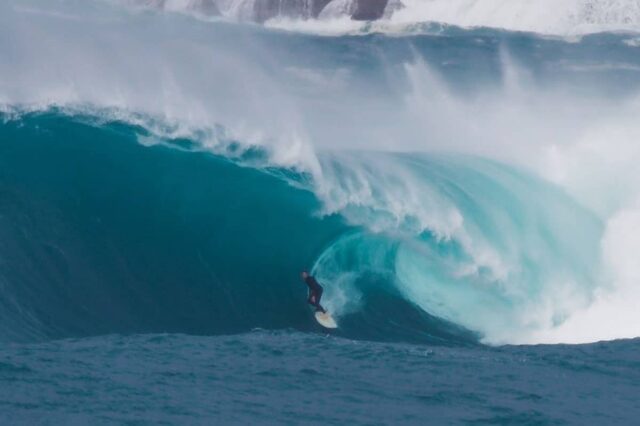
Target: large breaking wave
{"type": "Point", "coordinates": [165, 174]}
{"type": "Point", "coordinates": [103, 234]}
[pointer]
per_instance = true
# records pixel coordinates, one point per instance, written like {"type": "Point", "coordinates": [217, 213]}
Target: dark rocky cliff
{"type": "Point", "coordinates": [262, 10]}
{"type": "Point", "coordinates": [369, 10]}
{"type": "Point", "coordinates": [304, 9]}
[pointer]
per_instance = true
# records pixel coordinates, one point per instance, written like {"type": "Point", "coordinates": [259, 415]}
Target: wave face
{"type": "Point", "coordinates": [102, 234]}
{"type": "Point", "coordinates": [164, 173]}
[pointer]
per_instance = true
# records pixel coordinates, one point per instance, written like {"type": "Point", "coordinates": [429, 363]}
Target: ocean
{"type": "Point", "coordinates": [464, 185]}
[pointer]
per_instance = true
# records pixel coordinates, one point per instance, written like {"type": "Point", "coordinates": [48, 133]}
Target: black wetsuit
{"type": "Point", "coordinates": [315, 293]}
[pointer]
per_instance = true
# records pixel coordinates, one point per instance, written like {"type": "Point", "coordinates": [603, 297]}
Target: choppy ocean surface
{"type": "Point", "coordinates": [289, 377]}
{"type": "Point", "coordinates": [468, 196]}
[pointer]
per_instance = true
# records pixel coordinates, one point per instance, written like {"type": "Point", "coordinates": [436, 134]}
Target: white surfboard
{"type": "Point", "coordinates": [326, 320]}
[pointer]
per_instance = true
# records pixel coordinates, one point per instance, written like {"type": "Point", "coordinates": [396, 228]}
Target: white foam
{"type": "Point", "coordinates": [633, 42]}
{"type": "Point", "coordinates": [558, 17]}
{"type": "Point", "coordinates": [613, 314]}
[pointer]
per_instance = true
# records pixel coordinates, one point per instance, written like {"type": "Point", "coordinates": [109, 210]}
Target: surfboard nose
{"type": "Point", "coordinates": [326, 320]}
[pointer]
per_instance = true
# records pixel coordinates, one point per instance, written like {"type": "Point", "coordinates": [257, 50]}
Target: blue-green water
{"type": "Point", "coordinates": [288, 377]}
{"type": "Point", "coordinates": [102, 235]}
{"type": "Point", "coordinates": [467, 197]}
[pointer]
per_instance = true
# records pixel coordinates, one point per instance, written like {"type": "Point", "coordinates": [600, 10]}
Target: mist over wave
{"type": "Point", "coordinates": [542, 16]}
{"type": "Point", "coordinates": [564, 18]}
{"type": "Point", "coordinates": [487, 179]}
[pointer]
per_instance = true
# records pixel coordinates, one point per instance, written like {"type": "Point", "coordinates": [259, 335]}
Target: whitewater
{"type": "Point", "coordinates": [461, 176]}
{"type": "Point", "coordinates": [567, 18]}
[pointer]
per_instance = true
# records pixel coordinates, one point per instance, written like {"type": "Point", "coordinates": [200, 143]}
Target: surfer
{"type": "Point", "coordinates": [315, 291]}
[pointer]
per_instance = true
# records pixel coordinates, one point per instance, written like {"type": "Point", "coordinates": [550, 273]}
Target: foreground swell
{"type": "Point", "coordinates": [266, 378]}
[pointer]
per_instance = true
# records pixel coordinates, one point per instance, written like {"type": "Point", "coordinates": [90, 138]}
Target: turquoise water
{"type": "Point", "coordinates": [104, 249]}
{"type": "Point", "coordinates": [289, 377]}
{"type": "Point", "coordinates": [467, 197]}
{"type": "Point", "coordinates": [105, 235]}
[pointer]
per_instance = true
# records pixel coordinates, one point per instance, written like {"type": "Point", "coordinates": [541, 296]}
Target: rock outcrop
{"type": "Point", "coordinates": [295, 9]}
{"type": "Point", "coordinates": [369, 10]}
{"type": "Point", "coordinates": [263, 10]}
{"type": "Point", "coordinates": [361, 10]}
{"type": "Point", "coordinates": [206, 7]}
{"type": "Point", "coordinates": [201, 7]}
